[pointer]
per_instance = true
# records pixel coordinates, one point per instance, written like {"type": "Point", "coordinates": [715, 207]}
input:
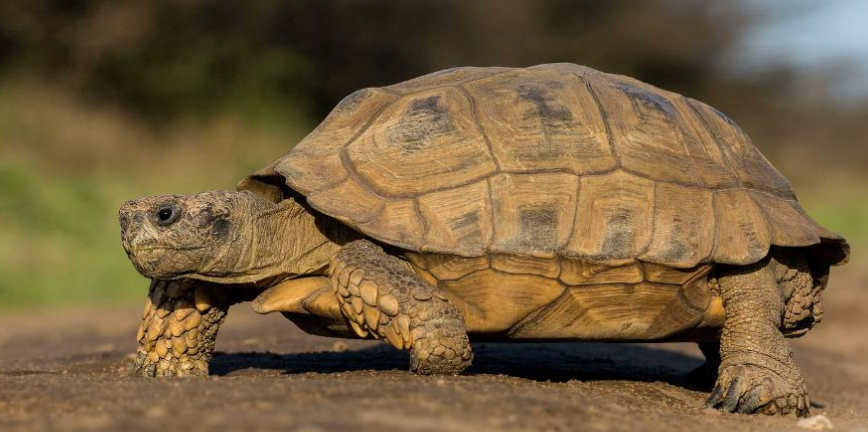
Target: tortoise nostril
{"type": "Point", "coordinates": [125, 223]}
{"type": "Point", "coordinates": [124, 218]}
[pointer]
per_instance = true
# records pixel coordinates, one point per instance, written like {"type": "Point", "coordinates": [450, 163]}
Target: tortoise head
{"type": "Point", "coordinates": [223, 237]}
{"type": "Point", "coordinates": [172, 236]}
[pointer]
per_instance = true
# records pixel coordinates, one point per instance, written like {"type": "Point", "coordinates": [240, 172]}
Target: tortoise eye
{"type": "Point", "coordinates": [166, 214]}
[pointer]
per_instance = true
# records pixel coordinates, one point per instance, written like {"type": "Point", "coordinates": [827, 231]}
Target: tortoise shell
{"type": "Point", "coordinates": [554, 202]}
{"type": "Point", "coordinates": [550, 161]}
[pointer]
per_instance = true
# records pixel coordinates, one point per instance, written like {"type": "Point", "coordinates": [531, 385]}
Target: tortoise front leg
{"type": "Point", "coordinates": [757, 371]}
{"type": "Point", "coordinates": [380, 296]}
{"type": "Point", "coordinates": [179, 326]}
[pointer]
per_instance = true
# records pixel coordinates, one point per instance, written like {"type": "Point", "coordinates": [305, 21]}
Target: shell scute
{"type": "Point", "coordinates": [752, 169]}
{"type": "Point", "coordinates": [316, 163]}
{"type": "Point", "coordinates": [613, 218]}
{"type": "Point", "coordinates": [644, 311]}
{"type": "Point", "coordinates": [742, 234]}
{"type": "Point", "coordinates": [655, 134]}
{"type": "Point", "coordinates": [458, 220]}
{"type": "Point", "coordinates": [399, 223]}
{"type": "Point", "coordinates": [534, 212]}
{"type": "Point", "coordinates": [424, 142]}
{"type": "Point", "coordinates": [682, 234]}
{"type": "Point", "coordinates": [542, 120]}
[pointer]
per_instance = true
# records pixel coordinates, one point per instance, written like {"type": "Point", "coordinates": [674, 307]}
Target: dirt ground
{"type": "Point", "coordinates": [68, 371]}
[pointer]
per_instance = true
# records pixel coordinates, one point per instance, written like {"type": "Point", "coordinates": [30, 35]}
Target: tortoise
{"type": "Point", "coordinates": [550, 203]}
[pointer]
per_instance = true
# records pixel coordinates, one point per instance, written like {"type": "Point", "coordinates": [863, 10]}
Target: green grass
{"type": "Point", "coordinates": [66, 168]}
{"type": "Point", "coordinates": [58, 244]}
{"type": "Point", "coordinates": [845, 214]}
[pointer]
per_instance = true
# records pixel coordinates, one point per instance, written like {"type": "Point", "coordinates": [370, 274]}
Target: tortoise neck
{"type": "Point", "coordinates": [292, 240]}
{"type": "Point", "coordinates": [281, 241]}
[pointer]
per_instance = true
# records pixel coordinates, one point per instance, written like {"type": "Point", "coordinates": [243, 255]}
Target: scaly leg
{"type": "Point", "coordinates": [179, 326]}
{"type": "Point", "coordinates": [757, 372]}
{"type": "Point", "coordinates": [380, 296]}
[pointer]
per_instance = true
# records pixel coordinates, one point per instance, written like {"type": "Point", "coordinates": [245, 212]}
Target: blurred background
{"type": "Point", "coordinates": [105, 100]}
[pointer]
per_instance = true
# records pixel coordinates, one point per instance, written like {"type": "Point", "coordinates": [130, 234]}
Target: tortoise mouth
{"type": "Point", "coordinates": [151, 248]}
{"type": "Point", "coordinates": [158, 261]}
{"type": "Point", "coordinates": [147, 260]}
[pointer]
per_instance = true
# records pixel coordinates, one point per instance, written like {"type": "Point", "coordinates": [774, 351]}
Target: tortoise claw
{"type": "Point", "coordinates": [752, 401]}
{"type": "Point", "coordinates": [715, 398]}
{"type": "Point", "coordinates": [732, 395]}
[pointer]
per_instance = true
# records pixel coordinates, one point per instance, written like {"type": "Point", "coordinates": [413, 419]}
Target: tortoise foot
{"type": "Point", "coordinates": [753, 389]}
{"type": "Point", "coordinates": [441, 352]}
{"type": "Point", "coordinates": [179, 326]}
{"type": "Point", "coordinates": [145, 367]}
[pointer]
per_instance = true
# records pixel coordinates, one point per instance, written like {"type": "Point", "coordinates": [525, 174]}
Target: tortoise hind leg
{"type": "Point", "coordinates": [757, 371]}
{"type": "Point", "coordinates": [380, 296]}
{"type": "Point", "coordinates": [179, 326]}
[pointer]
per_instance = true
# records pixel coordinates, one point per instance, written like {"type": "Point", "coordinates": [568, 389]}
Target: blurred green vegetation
{"type": "Point", "coordinates": [103, 101]}
{"type": "Point", "coordinates": [846, 214]}
{"type": "Point", "coordinates": [67, 167]}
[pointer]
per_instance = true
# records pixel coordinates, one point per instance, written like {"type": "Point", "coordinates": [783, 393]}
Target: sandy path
{"type": "Point", "coordinates": [67, 371]}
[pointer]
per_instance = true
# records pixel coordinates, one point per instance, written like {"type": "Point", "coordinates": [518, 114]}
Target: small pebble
{"type": "Point", "coordinates": [104, 347]}
{"type": "Point", "coordinates": [263, 405]}
{"type": "Point", "coordinates": [710, 411]}
{"type": "Point", "coordinates": [155, 411]}
{"type": "Point", "coordinates": [340, 346]}
{"type": "Point", "coordinates": [309, 429]}
{"type": "Point", "coordinates": [250, 342]}
{"type": "Point", "coordinates": [817, 422]}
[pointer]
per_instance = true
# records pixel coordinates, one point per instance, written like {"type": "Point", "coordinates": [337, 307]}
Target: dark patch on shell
{"type": "Point", "coordinates": [542, 99]}
{"type": "Point", "coordinates": [645, 101]}
{"type": "Point", "coordinates": [468, 224]}
{"type": "Point", "coordinates": [538, 226]}
{"type": "Point", "coordinates": [620, 234]}
{"type": "Point", "coordinates": [423, 120]}
{"type": "Point", "coordinates": [675, 248]}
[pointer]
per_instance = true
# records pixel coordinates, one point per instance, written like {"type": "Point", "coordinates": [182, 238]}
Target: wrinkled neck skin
{"type": "Point", "coordinates": [274, 242]}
